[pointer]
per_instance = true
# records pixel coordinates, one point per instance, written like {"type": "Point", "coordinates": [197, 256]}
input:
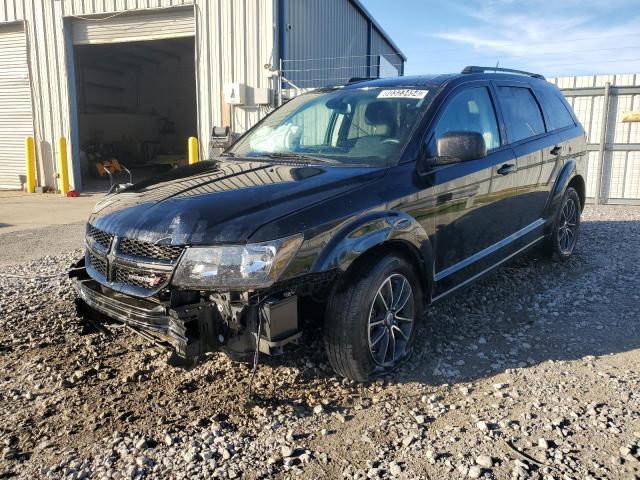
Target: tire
{"type": "Point", "coordinates": [566, 226]}
{"type": "Point", "coordinates": [365, 293]}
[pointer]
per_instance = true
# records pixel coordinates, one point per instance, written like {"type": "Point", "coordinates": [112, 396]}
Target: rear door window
{"type": "Point", "coordinates": [521, 112]}
{"type": "Point", "coordinates": [554, 106]}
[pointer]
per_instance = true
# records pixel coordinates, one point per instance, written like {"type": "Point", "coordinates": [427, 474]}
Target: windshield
{"type": "Point", "coordinates": [365, 126]}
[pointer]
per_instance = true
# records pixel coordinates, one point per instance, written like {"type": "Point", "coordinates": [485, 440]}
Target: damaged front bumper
{"type": "Point", "coordinates": [192, 322]}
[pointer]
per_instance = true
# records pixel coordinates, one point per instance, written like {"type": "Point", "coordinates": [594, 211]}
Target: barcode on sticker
{"type": "Point", "coordinates": [403, 93]}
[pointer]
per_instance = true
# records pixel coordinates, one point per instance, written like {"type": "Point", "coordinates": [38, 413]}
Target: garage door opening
{"type": "Point", "coordinates": [136, 108]}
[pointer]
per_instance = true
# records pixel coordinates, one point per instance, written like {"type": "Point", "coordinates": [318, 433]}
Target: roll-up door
{"type": "Point", "coordinates": [16, 114]}
{"type": "Point", "coordinates": [135, 26]}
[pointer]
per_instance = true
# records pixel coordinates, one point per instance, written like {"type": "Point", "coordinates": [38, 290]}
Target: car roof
{"type": "Point", "coordinates": [436, 81]}
{"type": "Point", "coordinates": [416, 81]}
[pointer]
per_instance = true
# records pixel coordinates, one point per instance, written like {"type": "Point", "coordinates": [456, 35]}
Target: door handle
{"type": "Point", "coordinates": [556, 150]}
{"type": "Point", "coordinates": [506, 169]}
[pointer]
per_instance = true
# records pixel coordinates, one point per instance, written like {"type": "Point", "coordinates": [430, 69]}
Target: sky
{"type": "Point", "coordinates": [552, 37]}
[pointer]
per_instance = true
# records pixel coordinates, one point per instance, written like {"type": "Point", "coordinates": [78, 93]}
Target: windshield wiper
{"type": "Point", "coordinates": [299, 157]}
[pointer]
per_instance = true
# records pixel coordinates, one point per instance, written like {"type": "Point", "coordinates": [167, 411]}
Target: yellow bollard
{"type": "Point", "coordinates": [64, 171]}
{"type": "Point", "coordinates": [193, 150]}
{"type": "Point", "coordinates": [31, 164]}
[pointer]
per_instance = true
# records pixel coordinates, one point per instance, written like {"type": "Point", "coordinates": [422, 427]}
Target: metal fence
{"type": "Point", "coordinates": [601, 102]}
{"type": "Point", "coordinates": [302, 75]}
{"type": "Point", "coordinates": [319, 72]}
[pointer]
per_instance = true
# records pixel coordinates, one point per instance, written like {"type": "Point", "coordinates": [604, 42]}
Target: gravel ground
{"type": "Point", "coordinates": [530, 373]}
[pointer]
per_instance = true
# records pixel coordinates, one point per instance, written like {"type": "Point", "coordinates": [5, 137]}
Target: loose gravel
{"type": "Point", "coordinates": [530, 373]}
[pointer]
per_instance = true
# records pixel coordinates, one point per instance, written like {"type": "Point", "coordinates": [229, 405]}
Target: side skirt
{"type": "Point", "coordinates": [487, 270]}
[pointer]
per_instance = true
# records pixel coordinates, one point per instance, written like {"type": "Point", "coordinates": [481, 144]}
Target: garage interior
{"type": "Point", "coordinates": [136, 103]}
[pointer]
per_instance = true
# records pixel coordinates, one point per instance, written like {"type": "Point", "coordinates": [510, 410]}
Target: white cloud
{"type": "Point", "coordinates": [556, 38]}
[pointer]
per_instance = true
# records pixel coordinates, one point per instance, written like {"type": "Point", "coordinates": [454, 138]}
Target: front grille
{"type": "Point", "coordinates": [134, 267]}
{"type": "Point", "coordinates": [140, 278]}
{"type": "Point", "coordinates": [99, 237]}
{"type": "Point", "coordinates": [98, 264]}
{"type": "Point", "coordinates": [139, 249]}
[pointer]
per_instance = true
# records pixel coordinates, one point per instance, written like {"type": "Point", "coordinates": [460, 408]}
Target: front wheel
{"type": "Point", "coordinates": [371, 319]}
{"type": "Point", "coordinates": [564, 236]}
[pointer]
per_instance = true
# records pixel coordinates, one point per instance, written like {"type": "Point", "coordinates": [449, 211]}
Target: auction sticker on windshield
{"type": "Point", "coordinates": [403, 93]}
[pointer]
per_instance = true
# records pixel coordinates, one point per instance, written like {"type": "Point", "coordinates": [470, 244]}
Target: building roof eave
{"type": "Point", "coordinates": [358, 4]}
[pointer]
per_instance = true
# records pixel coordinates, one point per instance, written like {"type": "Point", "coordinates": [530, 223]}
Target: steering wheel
{"type": "Point", "coordinates": [395, 141]}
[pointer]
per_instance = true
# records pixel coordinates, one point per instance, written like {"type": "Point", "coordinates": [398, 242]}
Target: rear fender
{"type": "Point", "coordinates": [562, 180]}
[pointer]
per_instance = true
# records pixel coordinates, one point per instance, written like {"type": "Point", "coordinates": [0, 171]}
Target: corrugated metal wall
{"type": "Point", "coordinates": [316, 56]}
{"type": "Point", "coordinates": [616, 176]}
{"type": "Point", "coordinates": [238, 42]}
{"type": "Point", "coordinates": [179, 22]}
{"type": "Point", "coordinates": [48, 73]}
{"type": "Point", "coordinates": [380, 46]}
{"type": "Point", "coordinates": [16, 117]}
{"type": "Point", "coordinates": [327, 42]}
{"type": "Point", "coordinates": [235, 41]}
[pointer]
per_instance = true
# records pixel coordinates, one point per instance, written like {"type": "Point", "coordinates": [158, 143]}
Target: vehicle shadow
{"type": "Point", "coordinates": [534, 310]}
{"type": "Point", "coordinates": [530, 311]}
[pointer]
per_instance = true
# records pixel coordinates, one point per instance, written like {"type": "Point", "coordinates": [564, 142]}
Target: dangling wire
{"type": "Point", "coordinates": [33, 277]}
{"type": "Point", "coordinates": [256, 354]}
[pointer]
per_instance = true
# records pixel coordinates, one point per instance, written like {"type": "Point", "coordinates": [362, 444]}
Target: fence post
{"type": "Point", "coordinates": [280, 75]}
{"type": "Point", "coordinates": [31, 164]}
{"type": "Point", "coordinates": [193, 150]}
{"type": "Point", "coordinates": [64, 169]}
{"type": "Point", "coordinates": [603, 141]}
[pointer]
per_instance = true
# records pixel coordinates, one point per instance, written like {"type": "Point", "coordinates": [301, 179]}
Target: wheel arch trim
{"type": "Point", "coordinates": [393, 229]}
{"type": "Point", "coordinates": [567, 173]}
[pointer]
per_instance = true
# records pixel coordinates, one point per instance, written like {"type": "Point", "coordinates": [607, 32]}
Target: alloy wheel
{"type": "Point", "coordinates": [568, 226]}
{"type": "Point", "coordinates": [391, 320]}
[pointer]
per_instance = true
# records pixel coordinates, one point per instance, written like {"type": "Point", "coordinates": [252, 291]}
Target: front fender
{"type": "Point", "coordinates": [369, 231]}
{"type": "Point", "coordinates": [560, 185]}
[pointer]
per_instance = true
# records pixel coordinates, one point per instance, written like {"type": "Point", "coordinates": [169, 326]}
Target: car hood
{"type": "Point", "coordinates": [221, 201]}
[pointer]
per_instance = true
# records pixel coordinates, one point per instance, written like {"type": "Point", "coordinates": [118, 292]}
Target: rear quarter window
{"type": "Point", "coordinates": [522, 113]}
{"type": "Point", "coordinates": [556, 108]}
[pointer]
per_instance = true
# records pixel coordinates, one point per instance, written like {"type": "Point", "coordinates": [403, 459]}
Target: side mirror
{"type": "Point", "coordinates": [460, 147]}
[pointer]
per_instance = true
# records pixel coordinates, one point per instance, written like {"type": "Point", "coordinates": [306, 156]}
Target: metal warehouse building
{"type": "Point", "coordinates": [136, 78]}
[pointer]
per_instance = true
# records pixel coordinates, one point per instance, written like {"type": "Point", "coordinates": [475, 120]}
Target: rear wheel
{"type": "Point", "coordinates": [564, 236]}
{"type": "Point", "coordinates": [371, 319]}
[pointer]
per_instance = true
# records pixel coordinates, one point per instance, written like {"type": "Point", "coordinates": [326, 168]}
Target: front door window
{"type": "Point", "coordinates": [471, 111]}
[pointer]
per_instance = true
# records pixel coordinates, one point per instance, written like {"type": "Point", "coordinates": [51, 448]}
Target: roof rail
{"type": "Point", "coordinates": [361, 79]}
{"type": "Point", "coordinates": [476, 69]}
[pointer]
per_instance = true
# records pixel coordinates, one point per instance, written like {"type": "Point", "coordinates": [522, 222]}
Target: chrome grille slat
{"type": "Point", "coordinates": [99, 237]}
{"type": "Point", "coordinates": [140, 249]}
{"type": "Point", "coordinates": [98, 264]}
{"type": "Point", "coordinates": [129, 265]}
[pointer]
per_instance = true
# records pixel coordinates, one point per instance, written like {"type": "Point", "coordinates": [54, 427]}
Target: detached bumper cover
{"type": "Point", "coordinates": [136, 312]}
{"type": "Point", "coordinates": [191, 329]}
{"type": "Point", "coordinates": [198, 326]}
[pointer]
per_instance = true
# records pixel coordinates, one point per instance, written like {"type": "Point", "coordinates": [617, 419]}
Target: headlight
{"type": "Point", "coordinates": [255, 265]}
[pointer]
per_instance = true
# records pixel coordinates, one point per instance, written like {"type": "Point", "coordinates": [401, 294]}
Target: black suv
{"type": "Point", "coordinates": [371, 200]}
